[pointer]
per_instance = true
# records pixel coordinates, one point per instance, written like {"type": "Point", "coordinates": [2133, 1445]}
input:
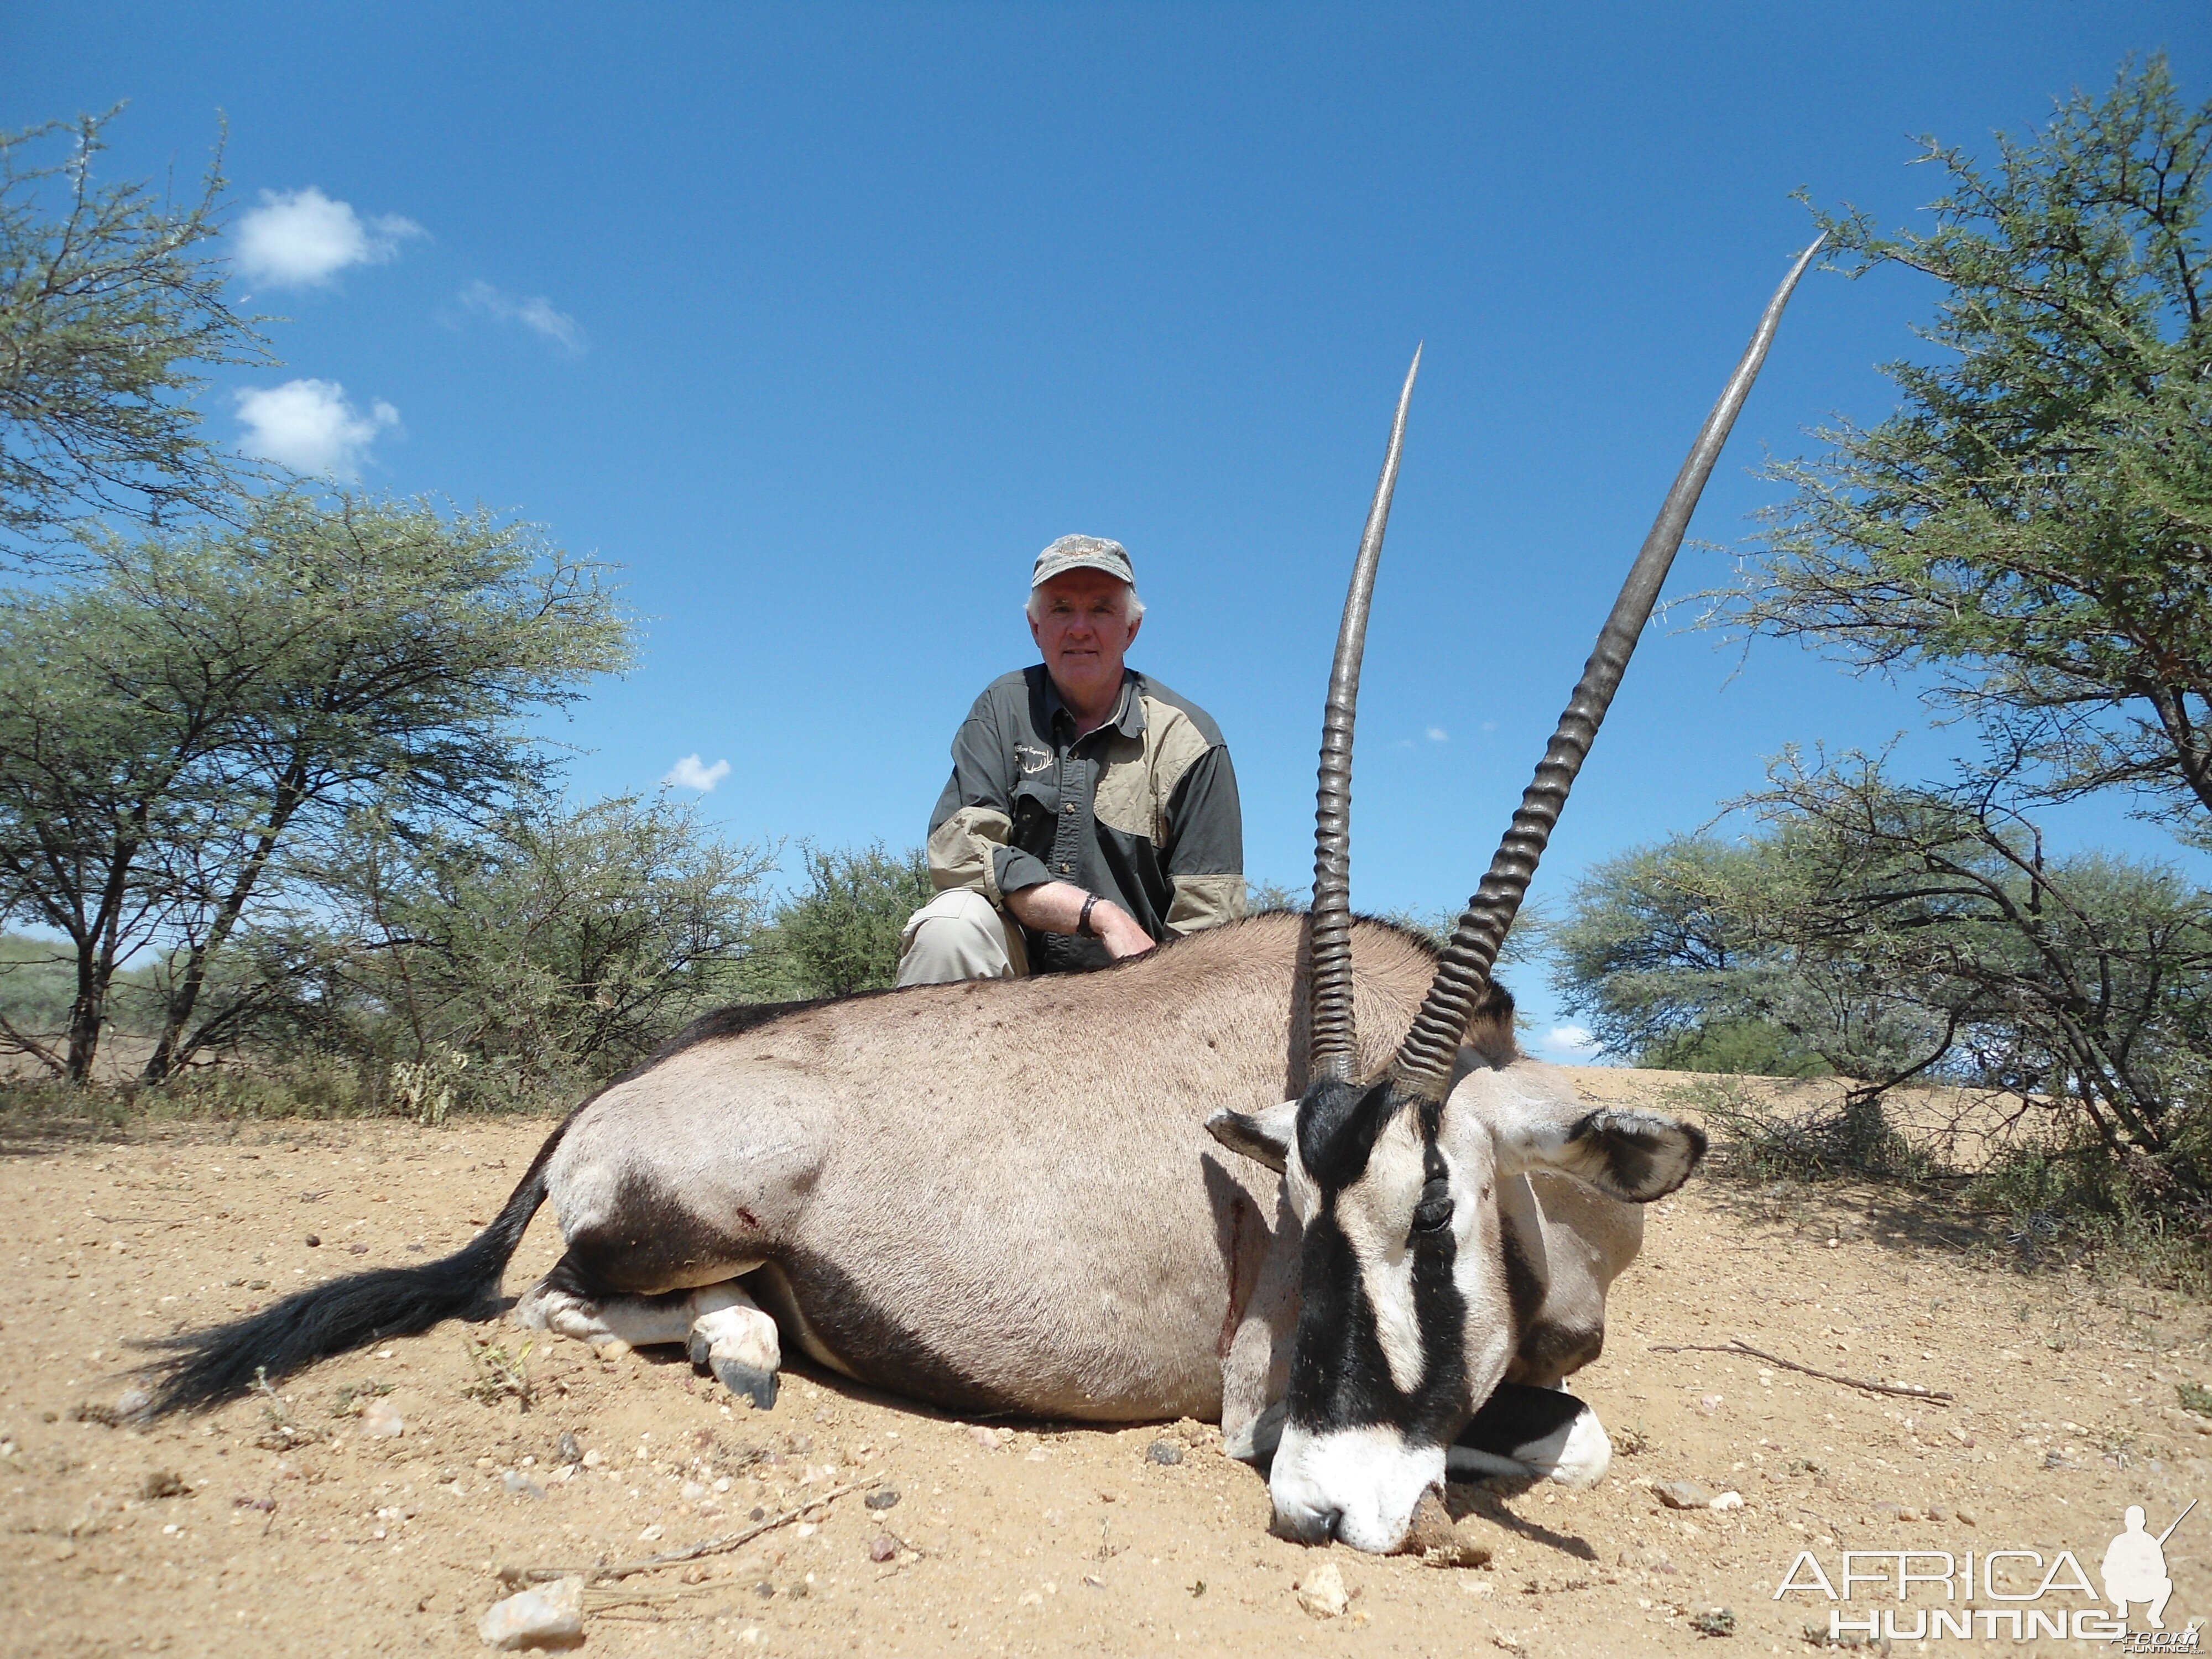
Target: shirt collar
{"type": "Point", "coordinates": [1129, 717]}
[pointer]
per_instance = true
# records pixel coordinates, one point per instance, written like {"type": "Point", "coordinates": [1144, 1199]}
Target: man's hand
{"type": "Point", "coordinates": [1118, 931]}
{"type": "Point", "coordinates": [1056, 907]}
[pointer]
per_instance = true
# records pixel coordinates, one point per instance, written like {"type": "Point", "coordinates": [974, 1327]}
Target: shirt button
{"type": "Point", "coordinates": [1069, 809]}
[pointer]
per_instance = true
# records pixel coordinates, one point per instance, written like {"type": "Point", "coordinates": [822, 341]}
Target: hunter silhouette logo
{"type": "Point", "coordinates": [2135, 1566]}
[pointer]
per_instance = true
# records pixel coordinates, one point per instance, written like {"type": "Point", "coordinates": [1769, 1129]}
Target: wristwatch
{"type": "Point", "coordinates": [1083, 922]}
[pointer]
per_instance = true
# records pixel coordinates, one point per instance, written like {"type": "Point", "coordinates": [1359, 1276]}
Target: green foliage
{"type": "Point", "coordinates": [2034, 524]}
{"type": "Point", "coordinates": [517, 963]}
{"type": "Point", "coordinates": [109, 298]}
{"type": "Point", "coordinates": [841, 934]}
{"type": "Point", "coordinates": [38, 983]}
{"type": "Point", "coordinates": [1662, 955]}
{"type": "Point", "coordinates": [1736, 1047]}
{"type": "Point", "coordinates": [1893, 933]}
{"type": "Point", "coordinates": [2088, 979]}
{"type": "Point", "coordinates": [180, 730]}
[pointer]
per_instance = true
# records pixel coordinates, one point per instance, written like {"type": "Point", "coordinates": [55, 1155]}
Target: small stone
{"type": "Point", "coordinates": [313, 1242]}
{"type": "Point", "coordinates": [356, 1249]}
{"type": "Point", "coordinates": [131, 1401]}
{"type": "Point", "coordinates": [883, 1547]}
{"type": "Point", "coordinates": [1728, 1500]}
{"type": "Point", "coordinates": [162, 1483]}
{"type": "Point", "coordinates": [987, 1439]}
{"type": "Point", "coordinates": [1937, 1512]}
{"type": "Point", "coordinates": [571, 1450]}
{"type": "Point", "coordinates": [1683, 1495]}
{"type": "Point", "coordinates": [1967, 1518]}
{"type": "Point", "coordinates": [381, 1418]}
{"type": "Point", "coordinates": [520, 1485]}
{"type": "Point", "coordinates": [882, 1498]}
{"type": "Point", "coordinates": [1321, 1592]}
{"type": "Point", "coordinates": [651, 1534]}
{"type": "Point", "coordinates": [1908, 1513]}
{"type": "Point", "coordinates": [593, 1458]}
{"type": "Point", "coordinates": [1164, 1451]}
{"type": "Point", "coordinates": [693, 1492]}
{"type": "Point", "coordinates": [1710, 1403]}
{"type": "Point", "coordinates": [1439, 1541]}
{"type": "Point", "coordinates": [550, 1616]}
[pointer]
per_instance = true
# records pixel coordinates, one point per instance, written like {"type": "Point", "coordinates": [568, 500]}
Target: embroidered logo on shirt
{"type": "Point", "coordinates": [1031, 758]}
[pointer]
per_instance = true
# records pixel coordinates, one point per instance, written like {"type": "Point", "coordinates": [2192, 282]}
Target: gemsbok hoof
{"type": "Point", "coordinates": [740, 1344]}
{"type": "Point", "coordinates": [757, 1386]}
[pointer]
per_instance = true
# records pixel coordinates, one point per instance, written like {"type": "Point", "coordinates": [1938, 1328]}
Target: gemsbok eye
{"type": "Point", "coordinates": [1434, 1212]}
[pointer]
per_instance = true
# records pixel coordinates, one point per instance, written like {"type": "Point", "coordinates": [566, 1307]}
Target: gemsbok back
{"type": "Point", "coordinates": [1377, 1268]}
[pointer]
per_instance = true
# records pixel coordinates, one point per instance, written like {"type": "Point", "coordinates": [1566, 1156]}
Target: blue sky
{"type": "Point", "coordinates": [820, 321]}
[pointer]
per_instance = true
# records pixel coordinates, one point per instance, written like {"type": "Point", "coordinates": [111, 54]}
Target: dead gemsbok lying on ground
{"type": "Point", "coordinates": [1003, 1197]}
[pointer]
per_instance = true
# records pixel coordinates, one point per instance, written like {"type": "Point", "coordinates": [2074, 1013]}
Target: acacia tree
{"type": "Point", "coordinates": [2033, 524]}
{"type": "Point", "coordinates": [110, 298]}
{"type": "Point", "coordinates": [1659, 956]}
{"type": "Point", "coordinates": [842, 934]}
{"type": "Point", "coordinates": [513, 961]}
{"type": "Point", "coordinates": [175, 728]}
{"type": "Point", "coordinates": [1911, 933]}
{"type": "Point", "coordinates": [2085, 979]}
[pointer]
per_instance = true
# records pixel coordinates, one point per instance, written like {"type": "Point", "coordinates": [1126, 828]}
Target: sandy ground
{"type": "Point", "coordinates": [288, 1526]}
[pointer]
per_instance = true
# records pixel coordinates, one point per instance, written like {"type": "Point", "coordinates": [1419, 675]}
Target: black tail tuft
{"type": "Point", "coordinates": [206, 1368]}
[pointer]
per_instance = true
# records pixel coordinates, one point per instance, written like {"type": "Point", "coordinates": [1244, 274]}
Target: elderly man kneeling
{"type": "Point", "coordinates": [1091, 811]}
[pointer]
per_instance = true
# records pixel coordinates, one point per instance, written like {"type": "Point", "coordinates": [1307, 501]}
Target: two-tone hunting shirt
{"type": "Point", "coordinates": [1142, 811]}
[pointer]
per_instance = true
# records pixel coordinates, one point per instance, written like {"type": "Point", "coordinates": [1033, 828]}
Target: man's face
{"type": "Point", "coordinates": [1084, 630]}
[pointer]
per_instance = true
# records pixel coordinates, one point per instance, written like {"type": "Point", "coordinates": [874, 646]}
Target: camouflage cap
{"type": "Point", "coordinates": [1083, 553]}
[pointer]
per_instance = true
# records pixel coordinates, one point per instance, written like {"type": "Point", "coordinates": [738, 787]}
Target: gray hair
{"type": "Point", "coordinates": [1133, 608]}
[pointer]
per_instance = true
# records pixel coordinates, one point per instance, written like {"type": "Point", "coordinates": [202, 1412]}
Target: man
{"type": "Point", "coordinates": [1092, 813]}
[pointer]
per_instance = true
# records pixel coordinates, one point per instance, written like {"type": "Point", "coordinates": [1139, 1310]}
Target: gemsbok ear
{"type": "Point", "coordinates": [1263, 1137]}
{"type": "Point", "coordinates": [1634, 1157]}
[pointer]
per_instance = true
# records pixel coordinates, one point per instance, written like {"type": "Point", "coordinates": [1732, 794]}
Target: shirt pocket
{"type": "Point", "coordinates": [1036, 814]}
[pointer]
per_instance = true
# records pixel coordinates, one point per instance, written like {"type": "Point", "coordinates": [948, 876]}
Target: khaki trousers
{"type": "Point", "coordinates": [958, 935]}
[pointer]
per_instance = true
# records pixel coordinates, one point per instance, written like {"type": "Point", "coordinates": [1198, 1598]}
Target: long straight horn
{"type": "Point", "coordinates": [1422, 1067]}
{"type": "Point", "coordinates": [1333, 1036]}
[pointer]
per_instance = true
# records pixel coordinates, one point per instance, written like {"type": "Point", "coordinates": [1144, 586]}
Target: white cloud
{"type": "Point", "coordinates": [1573, 1039]}
{"type": "Point", "coordinates": [1438, 734]}
{"type": "Point", "coordinates": [309, 427]}
{"type": "Point", "coordinates": [301, 238]}
{"type": "Point", "coordinates": [689, 774]}
{"type": "Point", "coordinates": [536, 313]}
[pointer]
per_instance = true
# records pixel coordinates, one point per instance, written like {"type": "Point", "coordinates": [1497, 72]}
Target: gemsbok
{"type": "Point", "coordinates": [1289, 1174]}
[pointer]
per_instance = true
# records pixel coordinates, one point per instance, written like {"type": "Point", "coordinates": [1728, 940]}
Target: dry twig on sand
{"type": "Point", "coordinates": [720, 1546]}
{"type": "Point", "coordinates": [1736, 1345]}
